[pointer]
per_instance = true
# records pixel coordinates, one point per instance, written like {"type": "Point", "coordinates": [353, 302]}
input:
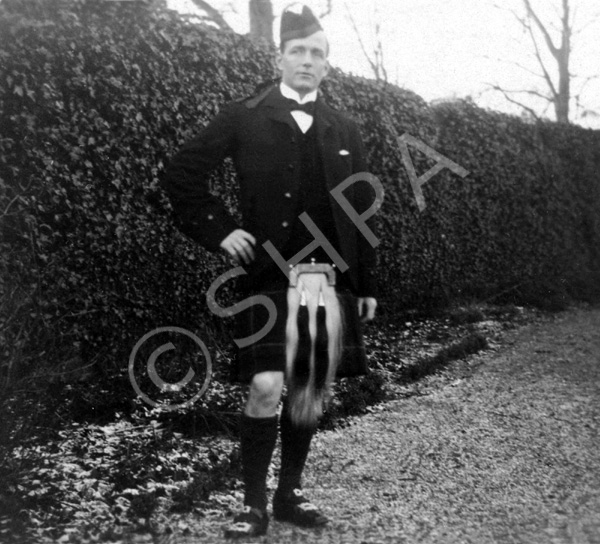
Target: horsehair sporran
{"type": "Point", "coordinates": [314, 333]}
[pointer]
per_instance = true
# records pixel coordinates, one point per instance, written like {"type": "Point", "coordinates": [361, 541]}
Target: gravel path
{"type": "Point", "coordinates": [505, 451]}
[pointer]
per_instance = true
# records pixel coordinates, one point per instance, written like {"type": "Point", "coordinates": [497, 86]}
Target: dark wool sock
{"type": "Point", "coordinates": [295, 443]}
{"type": "Point", "coordinates": [258, 437]}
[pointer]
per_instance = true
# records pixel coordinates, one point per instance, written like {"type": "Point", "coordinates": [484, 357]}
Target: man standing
{"type": "Point", "coordinates": [290, 151]}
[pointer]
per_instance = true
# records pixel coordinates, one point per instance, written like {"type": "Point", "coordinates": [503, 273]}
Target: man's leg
{"type": "Point", "coordinates": [258, 437]}
{"type": "Point", "coordinates": [259, 434]}
{"type": "Point", "coordinates": [295, 444]}
{"type": "Point", "coordinates": [288, 503]}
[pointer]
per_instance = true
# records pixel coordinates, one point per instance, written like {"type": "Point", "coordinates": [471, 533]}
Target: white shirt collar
{"type": "Point", "coordinates": [288, 92]}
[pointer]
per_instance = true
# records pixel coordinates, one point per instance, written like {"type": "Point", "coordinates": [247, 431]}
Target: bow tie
{"type": "Point", "coordinates": [308, 107]}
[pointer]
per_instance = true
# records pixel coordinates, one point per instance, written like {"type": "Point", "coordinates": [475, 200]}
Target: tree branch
{"type": "Point", "coordinates": [361, 43]}
{"type": "Point", "coordinates": [574, 16]}
{"type": "Point", "coordinates": [553, 49]}
{"type": "Point", "coordinates": [593, 20]}
{"type": "Point", "coordinates": [379, 46]}
{"type": "Point", "coordinates": [510, 99]}
{"type": "Point", "coordinates": [517, 64]}
{"type": "Point", "coordinates": [561, 22]}
{"type": "Point", "coordinates": [589, 113]}
{"type": "Point", "coordinates": [513, 12]}
{"type": "Point", "coordinates": [327, 9]}
{"type": "Point", "coordinates": [529, 91]}
{"type": "Point", "coordinates": [542, 65]}
{"type": "Point", "coordinates": [586, 81]}
{"type": "Point", "coordinates": [214, 14]}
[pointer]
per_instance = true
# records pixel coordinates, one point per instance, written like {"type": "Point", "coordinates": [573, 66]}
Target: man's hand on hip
{"type": "Point", "coordinates": [240, 245]}
{"type": "Point", "coordinates": [366, 308]}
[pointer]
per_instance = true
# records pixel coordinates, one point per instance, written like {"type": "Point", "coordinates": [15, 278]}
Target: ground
{"type": "Point", "coordinates": [499, 447]}
{"type": "Point", "coordinates": [502, 447]}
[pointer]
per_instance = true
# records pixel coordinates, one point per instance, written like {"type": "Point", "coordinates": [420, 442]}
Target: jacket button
{"type": "Point", "coordinates": [288, 195]}
{"type": "Point", "coordinates": [285, 224]}
{"type": "Point", "coordinates": [211, 217]}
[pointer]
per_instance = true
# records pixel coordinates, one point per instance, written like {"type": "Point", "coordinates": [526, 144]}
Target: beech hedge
{"type": "Point", "coordinates": [94, 98]}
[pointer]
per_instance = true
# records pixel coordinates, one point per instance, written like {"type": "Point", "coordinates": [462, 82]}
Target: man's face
{"type": "Point", "coordinates": [303, 62]}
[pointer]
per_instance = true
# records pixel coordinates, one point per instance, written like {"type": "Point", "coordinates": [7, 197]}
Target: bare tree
{"type": "Point", "coordinates": [261, 15]}
{"type": "Point", "coordinates": [555, 73]}
{"type": "Point", "coordinates": [261, 20]}
{"type": "Point", "coordinates": [375, 55]}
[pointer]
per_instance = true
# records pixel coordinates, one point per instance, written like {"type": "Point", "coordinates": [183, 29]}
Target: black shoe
{"type": "Point", "coordinates": [251, 522]}
{"type": "Point", "coordinates": [298, 510]}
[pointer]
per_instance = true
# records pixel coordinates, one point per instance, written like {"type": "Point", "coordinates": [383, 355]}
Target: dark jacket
{"type": "Point", "coordinates": [261, 139]}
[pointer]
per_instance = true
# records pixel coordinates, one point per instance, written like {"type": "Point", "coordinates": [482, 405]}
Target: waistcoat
{"type": "Point", "coordinates": [313, 199]}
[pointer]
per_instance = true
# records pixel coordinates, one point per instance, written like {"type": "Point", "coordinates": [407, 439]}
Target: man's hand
{"type": "Point", "coordinates": [366, 308]}
{"type": "Point", "coordinates": [240, 245]}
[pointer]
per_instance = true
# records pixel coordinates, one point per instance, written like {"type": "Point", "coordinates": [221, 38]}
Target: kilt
{"type": "Point", "coordinates": [269, 353]}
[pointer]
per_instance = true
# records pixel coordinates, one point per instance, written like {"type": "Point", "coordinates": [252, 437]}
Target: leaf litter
{"type": "Point", "coordinates": [496, 447]}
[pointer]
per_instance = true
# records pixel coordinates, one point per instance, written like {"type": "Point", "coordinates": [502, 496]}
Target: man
{"type": "Point", "coordinates": [290, 150]}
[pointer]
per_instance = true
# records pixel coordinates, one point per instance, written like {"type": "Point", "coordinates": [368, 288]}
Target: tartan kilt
{"type": "Point", "coordinates": [269, 353]}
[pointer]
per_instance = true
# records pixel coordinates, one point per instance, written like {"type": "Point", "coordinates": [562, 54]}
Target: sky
{"type": "Point", "coordinates": [449, 49]}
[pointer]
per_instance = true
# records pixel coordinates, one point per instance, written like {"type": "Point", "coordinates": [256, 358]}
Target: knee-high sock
{"type": "Point", "coordinates": [295, 443]}
{"type": "Point", "coordinates": [258, 437]}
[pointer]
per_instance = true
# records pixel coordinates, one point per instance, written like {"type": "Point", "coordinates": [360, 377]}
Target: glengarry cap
{"type": "Point", "coordinates": [298, 21]}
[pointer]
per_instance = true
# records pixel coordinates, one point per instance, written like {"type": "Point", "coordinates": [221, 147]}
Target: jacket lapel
{"type": "Point", "coordinates": [275, 112]}
{"type": "Point", "coordinates": [324, 120]}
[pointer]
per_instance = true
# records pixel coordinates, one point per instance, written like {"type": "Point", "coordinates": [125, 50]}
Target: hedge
{"type": "Point", "coordinates": [94, 98]}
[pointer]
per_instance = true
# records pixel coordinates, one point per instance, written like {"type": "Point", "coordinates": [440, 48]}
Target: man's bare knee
{"type": "Point", "coordinates": [264, 394]}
